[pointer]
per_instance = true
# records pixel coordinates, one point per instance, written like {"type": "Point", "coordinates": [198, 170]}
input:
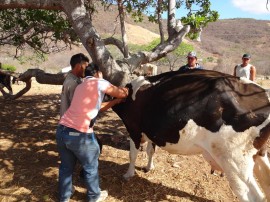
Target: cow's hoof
{"type": "Point", "coordinates": [127, 176]}
{"type": "Point", "coordinates": [146, 170]}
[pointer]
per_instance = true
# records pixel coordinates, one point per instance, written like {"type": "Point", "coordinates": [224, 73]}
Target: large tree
{"type": "Point", "coordinates": [42, 24]}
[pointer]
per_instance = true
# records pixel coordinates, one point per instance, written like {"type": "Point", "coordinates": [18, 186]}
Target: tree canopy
{"type": "Point", "coordinates": [52, 25]}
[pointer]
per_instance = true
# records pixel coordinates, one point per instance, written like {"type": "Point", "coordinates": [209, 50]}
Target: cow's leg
{"type": "Point", "coordinates": [262, 172]}
{"type": "Point", "coordinates": [8, 84]}
{"type": "Point", "coordinates": [239, 172]}
{"type": "Point", "coordinates": [132, 157]}
{"type": "Point", "coordinates": [150, 150]}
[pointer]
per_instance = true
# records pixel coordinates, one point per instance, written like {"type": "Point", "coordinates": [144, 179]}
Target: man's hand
{"type": "Point", "coordinates": [126, 90]}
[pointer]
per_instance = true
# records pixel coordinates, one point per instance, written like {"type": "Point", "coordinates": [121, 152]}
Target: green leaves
{"type": "Point", "coordinates": [199, 16]}
{"type": "Point", "coordinates": [35, 28]}
{"type": "Point", "coordinates": [8, 67]}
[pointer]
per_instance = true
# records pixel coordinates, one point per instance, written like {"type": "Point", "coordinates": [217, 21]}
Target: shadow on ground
{"type": "Point", "coordinates": [29, 159]}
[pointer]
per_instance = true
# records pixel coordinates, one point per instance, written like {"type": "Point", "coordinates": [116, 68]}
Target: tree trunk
{"type": "Point", "coordinates": [117, 72]}
{"type": "Point", "coordinates": [171, 17]}
{"type": "Point", "coordinates": [160, 25]}
{"type": "Point", "coordinates": [123, 27]}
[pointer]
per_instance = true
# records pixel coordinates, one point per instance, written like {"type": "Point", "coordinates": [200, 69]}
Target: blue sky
{"type": "Point", "coordinates": [240, 9]}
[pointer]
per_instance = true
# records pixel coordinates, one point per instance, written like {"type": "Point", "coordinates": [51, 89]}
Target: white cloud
{"type": "Point", "coordinates": [252, 6]}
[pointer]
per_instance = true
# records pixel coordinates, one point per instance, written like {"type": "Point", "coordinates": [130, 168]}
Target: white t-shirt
{"type": "Point", "coordinates": [243, 71]}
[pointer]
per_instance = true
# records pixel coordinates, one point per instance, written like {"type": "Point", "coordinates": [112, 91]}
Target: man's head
{"type": "Point", "coordinates": [192, 59]}
{"type": "Point", "coordinates": [246, 58]}
{"type": "Point", "coordinates": [92, 70]}
{"type": "Point", "coordinates": [78, 64]}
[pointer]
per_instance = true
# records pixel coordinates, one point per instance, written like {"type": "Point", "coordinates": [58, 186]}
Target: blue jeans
{"type": "Point", "coordinates": [72, 146]}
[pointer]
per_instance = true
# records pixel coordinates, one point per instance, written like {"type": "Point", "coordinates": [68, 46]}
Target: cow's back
{"type": "Point", "coordinates": [210, 99]}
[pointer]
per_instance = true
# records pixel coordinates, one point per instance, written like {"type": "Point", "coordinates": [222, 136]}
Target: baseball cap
{"type": "Point", "coordinates": [246, 56]}
{"type": "Point", "coordinates": [192, 54]}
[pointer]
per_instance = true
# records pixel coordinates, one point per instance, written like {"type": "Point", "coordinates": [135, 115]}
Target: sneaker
{"type": "Point", "coordinates": [102, 197]}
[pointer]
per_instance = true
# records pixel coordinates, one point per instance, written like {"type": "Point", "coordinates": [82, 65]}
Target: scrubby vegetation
{"type": "Point", "coordinates": [8, 67]}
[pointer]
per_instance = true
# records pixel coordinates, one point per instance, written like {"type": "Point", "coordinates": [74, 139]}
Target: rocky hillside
{"type": "Point", "coordinates": [229, 39]}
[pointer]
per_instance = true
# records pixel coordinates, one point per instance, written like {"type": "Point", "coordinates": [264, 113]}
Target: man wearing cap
{"type": "Point", "coordinates": [75, 135]}
{"type": "Point", "coordinates": [191, 63]}
{"type": "Point", "coordinates": [245, 69]}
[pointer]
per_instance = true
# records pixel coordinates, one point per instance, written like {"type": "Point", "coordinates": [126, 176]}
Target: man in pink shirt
{"type": "Point", "coordinates": [75, 135]}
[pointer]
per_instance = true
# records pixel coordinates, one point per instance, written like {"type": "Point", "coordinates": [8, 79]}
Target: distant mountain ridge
{"type": "Point", "coordinates": [225, 40]}
{"type": "Point", "coordinates": [229, 39]}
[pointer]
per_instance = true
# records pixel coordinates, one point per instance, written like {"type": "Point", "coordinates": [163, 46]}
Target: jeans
{"type": "Point", "coordinates": [76, 146]}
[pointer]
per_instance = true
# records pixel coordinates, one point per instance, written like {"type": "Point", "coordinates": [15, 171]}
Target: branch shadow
{"type": "Point", "coordinates": [29, 159]}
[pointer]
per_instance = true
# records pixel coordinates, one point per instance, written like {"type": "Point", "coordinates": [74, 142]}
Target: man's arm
{"type": "Point", "coordinates": [252, 73]}
{"type": "Point", "coordinates": [106, 105]}
{"type": "Point", "coordinates": [234, 71]}
{"type": "Point", "coordinates": [117, 92]}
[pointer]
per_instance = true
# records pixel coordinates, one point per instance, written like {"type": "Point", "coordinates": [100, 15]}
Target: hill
{"type": "Point", "coordinates": [229, 39]}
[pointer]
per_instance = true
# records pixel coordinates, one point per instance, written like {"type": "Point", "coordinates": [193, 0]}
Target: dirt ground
{"type": "Point", "coordinates": [29, 159]}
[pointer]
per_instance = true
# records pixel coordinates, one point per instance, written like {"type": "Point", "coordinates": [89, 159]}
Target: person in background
{"type": "Point", "coordinates": [191, 63]}
{"type": "Point", "coordinates": [78, 64]}
{"type": "Point", "coordinates": [245, 69]}
{"type": "Point", "coordinates": [75, 135]}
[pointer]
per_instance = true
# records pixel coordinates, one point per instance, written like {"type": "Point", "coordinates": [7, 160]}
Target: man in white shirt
{"type": "Point", "coordinates": [245, 69]}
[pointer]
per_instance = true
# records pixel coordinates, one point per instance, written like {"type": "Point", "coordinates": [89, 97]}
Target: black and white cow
{"type": "Point", "coordinates": [5, 80]}
{"type": "Point", "coordinates": [225, 118]}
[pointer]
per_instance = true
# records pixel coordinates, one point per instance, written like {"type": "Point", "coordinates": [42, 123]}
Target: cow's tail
{"type": "Point", "coordinates": [262, 172]}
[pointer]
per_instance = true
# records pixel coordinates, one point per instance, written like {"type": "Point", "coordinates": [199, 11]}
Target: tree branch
{"type": "Point", "coordinates": [41, 77]}
{"type": "Point", "coordinates": [171, 17]}
{"type": "Point", "coordinates": [159, 51]}
{"type": "Point", "coordinates": [160, 25]}
{"type": "Point", "coordinates": [8, 96]}
{"type": "Point", "coordinates": [114, 41]}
